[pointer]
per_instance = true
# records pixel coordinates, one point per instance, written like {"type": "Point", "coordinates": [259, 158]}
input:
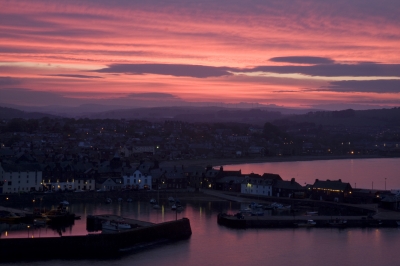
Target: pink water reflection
{"type": "Point", "coordinates": [212, 244]}
{"type": "Point", "coordinates": [360, 173]}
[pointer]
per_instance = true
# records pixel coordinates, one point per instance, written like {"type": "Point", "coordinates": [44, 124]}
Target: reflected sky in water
{"type": "Point", "coordinates": [360, 173]}
{"type": "Point", "coordinates": [211, 244]}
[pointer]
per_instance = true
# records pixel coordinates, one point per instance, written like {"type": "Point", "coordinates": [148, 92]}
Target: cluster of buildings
{"type": "Point", "coordinates": [51, 155]}
{"type": "Point", "coordinates": [22, 175]}
{"type": "Point", "coordinates": [98, 140]}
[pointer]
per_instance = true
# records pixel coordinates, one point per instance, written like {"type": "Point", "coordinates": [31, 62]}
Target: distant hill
{"type": "Point", "coordinates": [211, 114]}
{"type": "Point", "coordinates": [349, 117]}
{"type": "Point", "coordinates": [10, 113]}
{"type": "Point", "coordinates": [216, 114]}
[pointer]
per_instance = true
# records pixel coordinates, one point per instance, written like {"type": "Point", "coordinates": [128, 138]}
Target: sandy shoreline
{"type": "Point", "coordinates": [232, 161]}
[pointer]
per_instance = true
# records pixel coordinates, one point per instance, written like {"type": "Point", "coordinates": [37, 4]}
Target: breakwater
{"type": "Point", "coordinates": [93, 245]}
{"type": "Point", "coordinates": [238, 221]}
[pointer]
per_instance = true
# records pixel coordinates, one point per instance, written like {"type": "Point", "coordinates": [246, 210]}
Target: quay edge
{"type": "Point", "coordinates": [290, 222]}
{"type": "Point", "coordinates": [92, 245]}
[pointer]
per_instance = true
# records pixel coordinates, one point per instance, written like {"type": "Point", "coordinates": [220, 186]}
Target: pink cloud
{"type": "Point", "coordinates": [76, 37]}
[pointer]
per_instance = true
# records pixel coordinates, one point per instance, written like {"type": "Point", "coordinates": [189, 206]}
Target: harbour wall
{"type": "Point", "coordinates": [92, 245]}
{"type": "Point", "coordinates": [291, 222]}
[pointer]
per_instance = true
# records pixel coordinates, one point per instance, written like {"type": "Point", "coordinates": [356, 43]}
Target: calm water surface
{"type": "Point", "coordinates": [360, 173]}
{"type": "Point", "coordinates": [211, 244]}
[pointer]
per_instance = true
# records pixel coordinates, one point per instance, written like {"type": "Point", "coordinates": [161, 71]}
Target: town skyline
{"type": "Point", "coordinates": [306, 54]}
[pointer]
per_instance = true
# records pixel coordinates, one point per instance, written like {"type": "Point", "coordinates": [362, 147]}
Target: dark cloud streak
{"type": "Point", "coordinates": [302, 60]}
{"type": "Point", "coordinates": [178, 70]}
{"type": "Point", "coordinates": [198, 71]}
{"type": "Point", "coordinates": [335, 70]}
{"type": "Point", "coordinates": [372, 86]}
{"type": "Point", "coordinates": [75, 76]}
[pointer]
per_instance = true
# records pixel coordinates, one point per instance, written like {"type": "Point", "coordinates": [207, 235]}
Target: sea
{"type": "Point", "coordinates": [380, 174]}
{"type": "Point", "coordinates": [213, 244]}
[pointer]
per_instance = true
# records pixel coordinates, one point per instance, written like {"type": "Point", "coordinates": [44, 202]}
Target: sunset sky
{"type": "Point", "coordinates": [308, 54]}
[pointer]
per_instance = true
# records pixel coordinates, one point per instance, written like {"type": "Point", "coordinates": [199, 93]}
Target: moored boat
{"type": "Point", "coordinates": [40, 221]}
{"type": "Point", "coordinates": [338, 223]}
{"type": "Point", "coordinates": [283, 208]}
{"type": "Point", "coordinates": [308, 223]}
{"type": "Point", "coordinates": [115, 225]}
{"type": "Point", "coordinates": [10, 217]}
{"type": "Point", "coordinates": [257, 213]}
{"type": "Point", "coordinates": [64, 202]}
{"type": "Point", "coordinates": [59, 215]}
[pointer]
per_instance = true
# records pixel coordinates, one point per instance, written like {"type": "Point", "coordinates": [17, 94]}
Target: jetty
{"type": "Point", "coordinates": [241, 221]}
{"type": "Point", "coordinates": [94, 222]}
{"type": "Point", "coordinates": [95, 245]}
{"type": "Point", "coordinates": [352, 215]}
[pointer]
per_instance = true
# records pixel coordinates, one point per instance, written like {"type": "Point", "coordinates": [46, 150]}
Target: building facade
{"type": "Point", "coordinates": [21, 178]}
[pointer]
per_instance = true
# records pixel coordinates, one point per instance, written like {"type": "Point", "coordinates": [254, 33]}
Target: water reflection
{"type": "Point", "coordinates": [362, 173]}
{"type": "Point", "coordinates": [211, 244]}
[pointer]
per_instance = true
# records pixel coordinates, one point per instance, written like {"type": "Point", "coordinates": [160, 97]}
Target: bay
{"type": "Point", "coordinates": [382, 173]}
{"type": "Point", "coordinates": [212, 244]}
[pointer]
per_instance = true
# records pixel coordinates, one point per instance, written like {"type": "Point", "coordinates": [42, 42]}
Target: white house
{"type": "Point", "coordinates": [257, 186]}
{"type": "Point", "coordinates": [71, 184]}
{"type": "Point", "coordinates": [111, 183]}
{"type": "Point", "coordinates": [18, 178]}
{"type": "Point", "coordinates": [57, 185]}
{"type": "Point", "coordinates": [137, 180]}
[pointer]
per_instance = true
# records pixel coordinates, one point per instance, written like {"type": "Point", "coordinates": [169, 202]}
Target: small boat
{"type": "Point", "coordinates": [308, 223]}
{"type": "Point", "coordinates": [10, 217]}
{"type": "Point", "coordinates": [108, 200]}
{"type": "Point", "coordinates": [258, 213]}
{"type": "Point", "coordinates": [283, 208]}
{"type": "Point", "coordinates": [129, 200]}
{"type": "Point", "coordinates": [59, 215]}
{"type": "Point", "coordinates": [64, 202]}
{"type": "Point", "coordinates": [120, 199]}
{"type": "Point", "coordinates": [115, 225]}
{"type": "Point", "coordinates": [246, 210]}
{"type": "Point", "coordinates": [40, 221]}
{"type": "Point", "coordinates": [153, 201]}
{"type": "Point", "coordinates": [255, 205]}
{"type": "Point", "coordinates": [173, 207]}
{"type": "Point", "coordinates": [312, 213]}
{"type": "Point", "coordinates": [156, 206]}
{"type": "Point", "coordinates": [338, 223]}
{"type": "Point", "coordinates": [171, 199]}
{"type": "Point", "coordinates": [275, 205]}
{"type": "Point", "coordinates": [398, 223]}
{"type": "Point", "coordinates": [375, 223]}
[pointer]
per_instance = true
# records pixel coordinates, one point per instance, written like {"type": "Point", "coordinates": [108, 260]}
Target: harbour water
{"type": "Point", "coordinates": [212, 244]}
